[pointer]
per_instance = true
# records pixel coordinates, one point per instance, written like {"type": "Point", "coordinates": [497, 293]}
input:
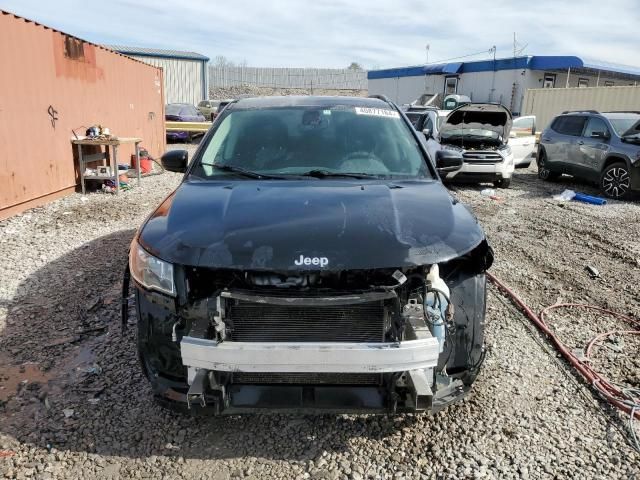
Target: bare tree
{"type": "Point", "coordinates": [222, 61]}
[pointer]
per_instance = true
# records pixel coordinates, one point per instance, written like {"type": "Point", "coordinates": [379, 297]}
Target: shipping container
{"type": "Point", "coordinates": [546, 103]}
{"type": "Point", "coordinates": [53, 84]}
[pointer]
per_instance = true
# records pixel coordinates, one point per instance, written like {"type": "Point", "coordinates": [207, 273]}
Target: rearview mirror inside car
{"type": "Point", "coordinates": [448, 161]}
{"type": "Point", "coordinates": [175, 161]}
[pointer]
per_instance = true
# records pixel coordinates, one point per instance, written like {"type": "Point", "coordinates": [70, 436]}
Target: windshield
{"type": "Point", "coordinates": [414, 118]}
{"type": "Point", "coordinates": [622, 125]}
{"type": "Point", "coordinates": [177, 109]}
{"type": "Point", "coordinates": [293, 141]}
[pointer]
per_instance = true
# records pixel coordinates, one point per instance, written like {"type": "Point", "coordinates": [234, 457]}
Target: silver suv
{"type": "Point", "coordinates": [600, 147]}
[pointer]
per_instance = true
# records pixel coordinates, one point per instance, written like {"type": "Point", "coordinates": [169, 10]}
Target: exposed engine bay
{"type": "Point", "coordinates": [375, 340]}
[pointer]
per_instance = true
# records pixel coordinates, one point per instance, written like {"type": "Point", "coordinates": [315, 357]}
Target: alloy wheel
{"type": "Point", "coordinates": [616, 182]}
{"type": "Point", "coordinates": [543, 172]}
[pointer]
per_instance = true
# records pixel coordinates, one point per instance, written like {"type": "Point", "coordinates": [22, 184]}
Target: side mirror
{"type": "Point", "coordinates": [599, 135]}
{"type": "Point", "coordinates": [175, 161]}
{"type": "Point", "coordinates": [427, 132]}
{"type": "Point", "coordinates": [448, 161]}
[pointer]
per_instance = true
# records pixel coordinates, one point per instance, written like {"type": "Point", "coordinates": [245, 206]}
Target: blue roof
{"type": "Point", "coordinates": [536, 62]}
{"type": "Point", "coordinates": [158, 53]}
{"type": "Point", "coordinates": [418, 71]}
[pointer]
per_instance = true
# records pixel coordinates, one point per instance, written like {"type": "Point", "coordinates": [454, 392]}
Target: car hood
{"type": "Point", "coordinates": [269, 225]}
{"type": "Point", "coordinates": [485, 116]}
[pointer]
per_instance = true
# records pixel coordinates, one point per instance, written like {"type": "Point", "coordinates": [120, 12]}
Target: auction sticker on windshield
{"type": "Point", "coordinates": [377, 112]}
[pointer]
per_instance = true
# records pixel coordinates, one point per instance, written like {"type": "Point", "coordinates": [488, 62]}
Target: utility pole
{"type": "Point", "coordinates": [428, 47]}
{"type": "Point", "coordinates": [493, 79]}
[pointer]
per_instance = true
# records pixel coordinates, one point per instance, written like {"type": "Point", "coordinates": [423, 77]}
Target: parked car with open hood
{"type": "Point", "coordinates": [601, 147]}
{"type": "Point", "coordinates": [480, 133]}
{"type": "Point", "coordinates": [310, 260]}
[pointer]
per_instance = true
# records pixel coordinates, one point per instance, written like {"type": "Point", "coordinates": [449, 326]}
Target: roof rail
{"type": "Point", "coordinates": [380, 97]}
{"type": "Point", "coordinates": [623, 111]}
{"type": "Point", "coordinates": [580, 111]}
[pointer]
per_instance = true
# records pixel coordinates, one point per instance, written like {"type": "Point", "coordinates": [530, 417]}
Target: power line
{"type": "Point", "coordinates": [489, 51]}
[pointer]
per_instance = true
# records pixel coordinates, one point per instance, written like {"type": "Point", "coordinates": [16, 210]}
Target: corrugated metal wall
{"type": "Point", "coordinates": [546, 103]}
{"type": "Point", "coordinates": [182, 78]}
{"type": "Point", "coordinates": [331, 78]}
{"type": "Point", "coordinates": [45, 94]}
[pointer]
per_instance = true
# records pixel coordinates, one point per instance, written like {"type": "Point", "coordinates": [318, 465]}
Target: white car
{"type": "Point", "coordinates": [481, 133]}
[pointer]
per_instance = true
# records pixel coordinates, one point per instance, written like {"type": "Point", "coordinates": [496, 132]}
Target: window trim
{"type": "Point", "coordinates": [602, 120]}
{"type": "Point", "coordinates": [557, 119]}
{"type": "Point", "coordinates": [446, 80]}
{"type": "Point", "coordinates": [549, 76]}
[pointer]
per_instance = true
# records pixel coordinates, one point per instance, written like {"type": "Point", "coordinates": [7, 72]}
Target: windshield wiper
{"type": "Point", "coordinates": [327, 173]}
{"type": "Point", "coordinates": [240, 171]}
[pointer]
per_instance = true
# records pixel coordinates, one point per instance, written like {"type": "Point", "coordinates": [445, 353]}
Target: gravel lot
{"type": "Point", "coordinates": [86, 411]}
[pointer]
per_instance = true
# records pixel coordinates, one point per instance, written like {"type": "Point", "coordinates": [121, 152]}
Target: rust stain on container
{"type": "Point", "coordinates": [53, 84]}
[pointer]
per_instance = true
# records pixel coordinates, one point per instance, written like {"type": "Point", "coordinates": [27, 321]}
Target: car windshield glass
{"type": "Point", "coordinates": [173, 109]}
{"type": "Point", "coordinates": [414, 118]}
{"type": "Point", "coordinates": [623, 125]}
{"type": "Point", "coordinates": [293, 141]}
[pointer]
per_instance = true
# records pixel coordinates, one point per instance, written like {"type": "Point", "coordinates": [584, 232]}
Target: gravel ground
{"type": "Point", "coordinates": [85, 410]}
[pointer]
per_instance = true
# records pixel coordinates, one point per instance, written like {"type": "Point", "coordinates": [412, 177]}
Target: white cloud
{"type": "Point", "coordinates": [333, 33]}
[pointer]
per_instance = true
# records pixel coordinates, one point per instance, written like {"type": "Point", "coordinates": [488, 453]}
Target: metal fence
{"type": "Point", "coordinates": [340, 79]}
{"type": "Point", "coordinates": [546, 103]}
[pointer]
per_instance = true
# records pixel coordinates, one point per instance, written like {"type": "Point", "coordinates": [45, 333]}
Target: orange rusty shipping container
{"type": "Point", "coordinates": [52, 84]}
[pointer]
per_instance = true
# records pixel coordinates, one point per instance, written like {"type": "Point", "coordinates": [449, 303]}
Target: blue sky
{"type": "Point", "coordinates": [334, 33]}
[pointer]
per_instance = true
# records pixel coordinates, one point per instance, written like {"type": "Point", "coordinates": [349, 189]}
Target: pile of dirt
{"type": "Point", "coordinates": [220, 93]}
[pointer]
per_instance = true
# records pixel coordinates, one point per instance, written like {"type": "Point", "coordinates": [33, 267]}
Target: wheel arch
{"type": "Point", "coordinates": [615, 158]}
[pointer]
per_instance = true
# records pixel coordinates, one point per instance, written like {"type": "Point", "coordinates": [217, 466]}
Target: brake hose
{"type": "Point", "coordinates": [614, 394]}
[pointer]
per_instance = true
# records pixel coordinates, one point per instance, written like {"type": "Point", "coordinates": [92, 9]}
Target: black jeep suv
{"type": "Point", "coordinates": [310, 260]}
{"type": "Point", "coordinates": [601, 147]}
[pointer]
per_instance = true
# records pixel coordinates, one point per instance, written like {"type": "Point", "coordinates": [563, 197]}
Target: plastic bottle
{"type": "Point", "coordinates": [436, 288]}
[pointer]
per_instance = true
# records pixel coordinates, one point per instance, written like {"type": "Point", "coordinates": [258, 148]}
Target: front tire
{"type": "Point", "coordinates": [502, 183]}
{"type": "Point", "coordinates": [544, 173]}
{"type": "Point", "coordinates": [615, 181]}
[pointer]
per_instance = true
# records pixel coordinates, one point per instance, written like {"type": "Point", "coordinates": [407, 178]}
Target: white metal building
{"type": "Point", "coordinates": [185, 73]}
{"type": "Point", "coordinates": [503, 80]}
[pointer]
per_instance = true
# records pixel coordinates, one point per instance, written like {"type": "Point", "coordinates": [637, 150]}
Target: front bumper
{"type": "Point", "coordinates": [474, 172]}
{"type": "Point", "coordinates": [177, 135]}
{"type": "Point", "coordinates": [281, 357]}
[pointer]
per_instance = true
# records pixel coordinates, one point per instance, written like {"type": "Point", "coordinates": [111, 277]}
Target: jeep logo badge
{"type": "Point", "coordinates": [321, 261]}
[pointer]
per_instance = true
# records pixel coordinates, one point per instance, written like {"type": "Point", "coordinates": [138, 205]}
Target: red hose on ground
{"type": "Point", "coordinates": [612, 393]}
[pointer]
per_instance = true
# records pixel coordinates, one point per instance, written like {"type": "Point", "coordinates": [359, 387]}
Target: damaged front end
{"type": "Point", "coordinates": [229, 341]}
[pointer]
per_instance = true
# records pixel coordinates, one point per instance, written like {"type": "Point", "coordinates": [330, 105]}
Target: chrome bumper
{"type": "Point", "coordinates": [289, 357]}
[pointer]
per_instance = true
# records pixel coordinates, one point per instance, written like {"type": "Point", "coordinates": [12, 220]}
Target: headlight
{"type": "Point", "coordinates": [454, 148]}
{"type": "Point", "coordinates": [505, 150]}
{"type": "Point", "coordinates": [151, 272]}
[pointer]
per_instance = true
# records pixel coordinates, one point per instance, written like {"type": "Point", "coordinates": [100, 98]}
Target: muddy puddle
{"type": "Point", "coordinates": [78, 364]}
{"type": "Point", "coordinates": [15, 377]}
